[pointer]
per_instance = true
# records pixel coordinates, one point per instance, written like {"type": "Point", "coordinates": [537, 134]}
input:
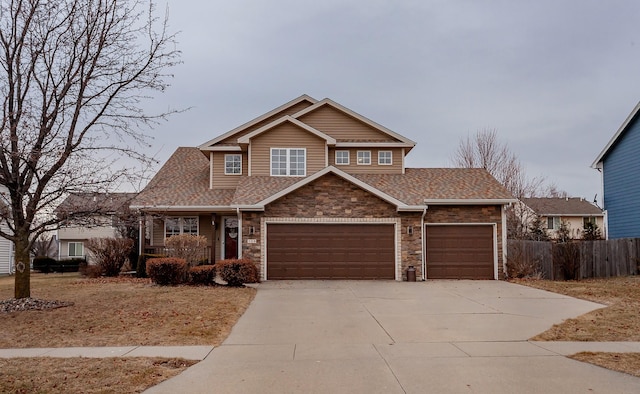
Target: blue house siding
{"type": "Point", "coordinates": [621, 179]}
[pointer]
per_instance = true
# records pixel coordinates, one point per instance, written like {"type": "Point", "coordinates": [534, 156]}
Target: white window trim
{"type": "Point", "coordinates": [288, 163]}
{"type": "Point", "coordinates": [181, 224]}
{"type": "Point", "coordinates": [348, 158]}
{"type": "Point", "coordinates": [390, 158]}
{"type": "Point", "coordinates": [358, 157]}
{"type": "Point", "coordinates": [225, 164]}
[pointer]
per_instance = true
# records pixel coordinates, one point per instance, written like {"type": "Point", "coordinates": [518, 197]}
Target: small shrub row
{"type": "Point", "coordinates": [141, 268]}
{"type": "Point", "coordinates": [173, 271]}
{"type": "Point", "coordinates": [238, 272]}
{"type": "Point", "coordinates": [47, 264]}
{"type": "Point", "coordinates": [202, 275]}
{"type": "Point", "coordinates": [167, 270]}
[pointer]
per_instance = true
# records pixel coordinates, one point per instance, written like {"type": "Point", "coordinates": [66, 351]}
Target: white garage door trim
{"type": "Point", "coordinates": [495, 244]}
{"type": "Point", "coordinates": [395, 221]}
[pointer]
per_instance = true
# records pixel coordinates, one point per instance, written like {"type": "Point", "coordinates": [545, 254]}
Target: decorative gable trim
{"type": "Point", "coordinates": [208, 145]}
{"type": "Point", "coordinates": [247, 138]}
{"type": "Point", "coordinates": [598, 161]}
{"type": "Point", "coordinates": [365, 186]}
{"type": "Point", "coordinates": [357, 116]}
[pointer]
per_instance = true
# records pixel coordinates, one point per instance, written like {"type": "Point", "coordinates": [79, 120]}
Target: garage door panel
{"type": "Point", "coordinates": [330, 251]}
{"type": "Point", "coordinates": [460, 252]}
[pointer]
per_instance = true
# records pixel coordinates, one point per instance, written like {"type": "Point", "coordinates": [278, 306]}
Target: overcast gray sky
{"type": "Point", "coordinates": [554, 78]}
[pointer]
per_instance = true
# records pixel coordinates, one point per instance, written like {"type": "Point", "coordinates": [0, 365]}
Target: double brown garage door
{"type": "Point", "coordinates": [330, 251]}
{"type": "Point", "coordinates": [460, 252]}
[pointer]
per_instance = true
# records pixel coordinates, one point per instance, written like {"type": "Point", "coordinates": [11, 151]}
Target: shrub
{"type": "Point", "coordinates": [44, 264]}
{"type": "Point", "coordinates": [141, 268]}
{"type": "Point", "coordinates": [202, 275]}
{"type": "Point", "coordinates": [167, 270]}
{"type": "Point", "coordinates": [191, 248]}
{"type": "Point", "coordinates": [566, 255]}
{"type": "Point", "coordinates": [90, 270]}
{"type": "Point", "coordinates": [238, 272]}
{"type": "Point", "coordinates": [68, 265]}
{"type": "Point", "coordinates": [110, 253]}
{"type": "Point", "coordinates": [518, 266]}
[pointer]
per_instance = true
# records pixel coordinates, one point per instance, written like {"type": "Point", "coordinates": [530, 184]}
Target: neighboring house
{"type": "Point", "coordinates": [6, 246]}
{"type": "Point", "coordinates": [574, 211]}
{"type": "Point", "coordinates": [313, 190]}
{"type": "Point", "coordinates": [96, 217]}
{"type": "Point", "coordinates": [619, 163]}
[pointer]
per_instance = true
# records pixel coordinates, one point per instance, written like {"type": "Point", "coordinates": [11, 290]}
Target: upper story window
{"type": "Point", "coordinates": [385, 157]}
{"type": "Point", "coordinates": [364, 157]}
{"type": "Point", "coordinates": [180, 225]}
{"type": "Point", "coordinates": [288, 162]}
{"type": "Point", "coordinates": [553, 223]}
{"type": "Point", "coordinates": [342, 157]}
{"type": "Point", "coordinates": [233, 164]}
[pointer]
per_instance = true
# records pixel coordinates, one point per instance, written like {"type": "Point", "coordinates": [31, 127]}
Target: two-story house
{"type": "Point", "coordinates": [619, 164]}
{"type": "Point", "coordinates": [313, 190]}
{"type": "Point", "coordinates": [95, 215]}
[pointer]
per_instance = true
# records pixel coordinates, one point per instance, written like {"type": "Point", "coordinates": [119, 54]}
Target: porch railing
{"type": "Point", "coordinates": [203, 255]}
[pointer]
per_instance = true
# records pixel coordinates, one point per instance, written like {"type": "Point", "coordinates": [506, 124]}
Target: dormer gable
{"type": "Point", "coordinates": [245, 139]}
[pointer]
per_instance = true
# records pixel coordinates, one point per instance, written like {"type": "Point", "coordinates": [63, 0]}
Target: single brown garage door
{"type": "Point", "coordinates": [460, 252]}
{"type": "Point", "coordinates": [330, 251]}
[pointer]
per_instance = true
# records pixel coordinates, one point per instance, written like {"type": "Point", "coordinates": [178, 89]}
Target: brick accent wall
{"type": "Point", "coordinates": [471, 214]}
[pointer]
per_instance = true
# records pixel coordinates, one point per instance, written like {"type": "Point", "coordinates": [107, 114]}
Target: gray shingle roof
{"type": "Point", "coordinates": [101, 203]}
{"type": "Point", "coordinates": [573, 206]}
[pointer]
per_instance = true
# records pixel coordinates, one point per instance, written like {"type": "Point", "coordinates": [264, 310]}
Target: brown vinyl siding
{"type": "Point", "coordinates": [342, 126]}
{"type": "Point", "coordinates": [288, 111]}
{"type": "Point", "coordinates": [286, 135]}
{"type": "Point", "coordinates": [374, 167]}
{"type": "Point", "coordinates": [222, 181]}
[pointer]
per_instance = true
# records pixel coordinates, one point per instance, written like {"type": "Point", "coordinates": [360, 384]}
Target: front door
{"type": "Point", "coordinates": [230, 239]}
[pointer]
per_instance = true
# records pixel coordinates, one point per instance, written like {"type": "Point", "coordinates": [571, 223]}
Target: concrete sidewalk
{"type": "Point", "coordinates": [186, 352]}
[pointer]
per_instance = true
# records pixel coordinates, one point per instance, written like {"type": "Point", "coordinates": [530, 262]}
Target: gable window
{"type": "Point", "coordinates": [342, 157]}
{"type": "Point", "coordinates": [385, 157]}
{"type": "Point", "coordinates": [76, 249]}
{"type": "Point", "coordinates": [553, 223]}
{"type": "Point", "coordinates": [364, 157]}
{"type": "Point", "coordinates": [288, 161]}
{"type": "Point", "coordinates": [233, 164]}
{"type": "Point", "coordinates": [180, 225]}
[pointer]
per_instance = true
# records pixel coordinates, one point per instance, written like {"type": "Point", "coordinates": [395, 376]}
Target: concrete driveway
{"type": "Point", "coordinates": [397, 337]}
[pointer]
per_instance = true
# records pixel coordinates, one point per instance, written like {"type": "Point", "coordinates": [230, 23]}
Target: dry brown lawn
{"type": "Point", "coordinates": [86, 375]}
{"type": "Point", "coordinates": [618, 321]}
{"type": "Point", "coordinates": [106, 312]}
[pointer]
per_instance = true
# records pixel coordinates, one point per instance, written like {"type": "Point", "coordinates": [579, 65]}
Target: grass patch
{"type": "Point", "coordinates": [619, 321]}
{"type": "Point", "coordinates": [86, 375]}
{"type": "Point", "coordinates": [621, 362]}
{"type": "Point", "coordinates": [111, 312]}
{"type": "Point", "coordinates": [122, 312]}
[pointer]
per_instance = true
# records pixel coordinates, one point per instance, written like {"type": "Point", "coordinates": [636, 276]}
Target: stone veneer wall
{"type": "Point", "coordinates": [335, 199]}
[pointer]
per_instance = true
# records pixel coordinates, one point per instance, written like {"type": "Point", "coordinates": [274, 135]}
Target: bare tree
{"type": "Point", "coordinates": [484, 150]}
{"type": "Point", "coordinates": [73, 76]}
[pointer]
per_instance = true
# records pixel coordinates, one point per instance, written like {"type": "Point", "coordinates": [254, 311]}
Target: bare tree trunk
{"type": "Point", "coordinates": [23, 269]}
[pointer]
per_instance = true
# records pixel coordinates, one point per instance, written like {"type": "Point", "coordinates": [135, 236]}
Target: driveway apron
{"type": "Point", "coordinates": [397, 337]}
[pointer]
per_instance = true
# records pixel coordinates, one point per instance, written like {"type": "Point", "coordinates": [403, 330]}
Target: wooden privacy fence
{"type": "Point", "coordinates": [575, 260]}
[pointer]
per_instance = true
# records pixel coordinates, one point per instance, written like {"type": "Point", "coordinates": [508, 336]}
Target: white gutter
{"type": "Point", "coordinates": [423, 241]}
{"type": "Point", "coordinates": [184, 208]}
{"type": "Point", "coordinates": [470, 201]}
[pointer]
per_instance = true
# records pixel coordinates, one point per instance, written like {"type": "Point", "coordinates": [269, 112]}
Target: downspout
{"type": "Point", "coordinates": [423, 243]}
{"type": "Point", "coordinates": [239, 233]}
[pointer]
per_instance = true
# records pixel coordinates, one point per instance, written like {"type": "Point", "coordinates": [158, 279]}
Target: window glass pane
{"type": "Point", "coordinates": [190, 226]}
{"type": "Point", "coordinates": [233, 164]}
{"type": "Point", "coordinates": [278, 162]}
{"type": "Point", "coordinates": [76, 249]}
{"type": "Point", "coordinates": [342, 157]}
{"type": "Point", "coordinates": [172, 227]}
{"type": "Point", "coordinates": [297, 162]}
{"type": "Point", "coordinates": [364, 157]}
{"type": "Point", "coordinates": [384, 157]}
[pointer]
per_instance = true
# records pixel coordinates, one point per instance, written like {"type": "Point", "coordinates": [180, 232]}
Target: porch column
{"type": "Point", "coordinates": [214, 217]}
